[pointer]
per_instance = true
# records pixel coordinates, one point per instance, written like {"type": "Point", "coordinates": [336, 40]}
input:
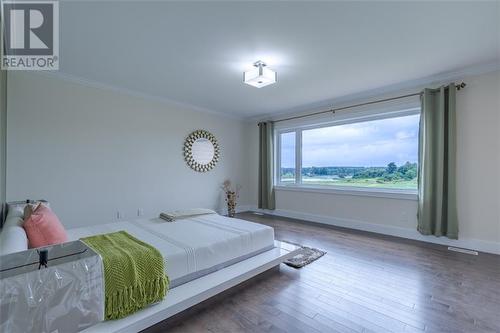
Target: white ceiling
{"type": "Point", "coordinates": [195, 52]}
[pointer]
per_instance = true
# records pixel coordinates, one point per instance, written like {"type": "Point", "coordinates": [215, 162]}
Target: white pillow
{"type": "Point", "coordinates": [16, 210]}
{"type": "Point", "coordinates": [13, 220]}
{"type": "Point", "coordinates": [13, 239]}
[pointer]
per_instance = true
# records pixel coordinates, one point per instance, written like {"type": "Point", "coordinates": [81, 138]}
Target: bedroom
{"type": "Point", "coordinates": [103, 137]}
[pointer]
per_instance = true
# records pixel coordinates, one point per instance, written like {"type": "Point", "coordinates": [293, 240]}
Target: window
{"type": "Point", "coordinates": [287, 158]}
{"type": "Point", "coordinates": [377, 153]}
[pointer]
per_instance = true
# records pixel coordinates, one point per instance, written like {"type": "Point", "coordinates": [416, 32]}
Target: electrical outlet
{"type": "Point", "coordinates": [140, 212]}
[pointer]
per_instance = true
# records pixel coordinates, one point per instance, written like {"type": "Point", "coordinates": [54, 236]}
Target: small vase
{"type": "Point", "coordinates": [231, 203]}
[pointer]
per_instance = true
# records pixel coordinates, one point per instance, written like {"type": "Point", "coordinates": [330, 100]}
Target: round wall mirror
{"type": "Point", "coordinates": [201, 151]}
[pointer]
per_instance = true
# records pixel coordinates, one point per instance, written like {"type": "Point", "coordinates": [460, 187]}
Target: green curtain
{"type": "Point", "coordinates": [266, 159]}
{"type": "Point", "coordinates": [437, 210]}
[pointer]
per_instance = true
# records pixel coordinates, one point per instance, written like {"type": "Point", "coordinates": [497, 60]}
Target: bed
{"type": "Point", "coordinates": [195, 246]}
{"type": "Point", "coordinates": [204, 256]}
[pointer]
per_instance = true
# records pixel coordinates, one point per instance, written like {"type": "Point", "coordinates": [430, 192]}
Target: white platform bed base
{"type": "Point", "coordinates": [194, 292]}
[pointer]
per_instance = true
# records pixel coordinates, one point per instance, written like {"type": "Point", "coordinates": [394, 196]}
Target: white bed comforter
{"type": "Point", "coordinates": [195, 245]}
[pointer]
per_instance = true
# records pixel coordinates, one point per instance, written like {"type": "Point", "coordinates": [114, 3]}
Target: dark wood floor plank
{"type": "Point", "coordinates": [308, 300]}
{"type": "Point", "coordinates": [365, 283]}
{"type": "Point", "coordinates": [313, 293]}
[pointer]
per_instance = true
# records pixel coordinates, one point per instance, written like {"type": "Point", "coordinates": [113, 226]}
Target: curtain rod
{"type": "Point", "coordinates": [333, 110]}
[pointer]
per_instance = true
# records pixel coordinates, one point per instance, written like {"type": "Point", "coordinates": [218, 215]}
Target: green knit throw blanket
{"type": "Point", "coordinates": [134, 273]}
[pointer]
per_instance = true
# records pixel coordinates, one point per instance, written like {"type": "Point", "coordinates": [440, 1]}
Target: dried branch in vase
{"type": "Point", "coordinates": [232, 193]}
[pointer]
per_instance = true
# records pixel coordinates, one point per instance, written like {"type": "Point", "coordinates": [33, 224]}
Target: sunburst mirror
{"type": "Point", "coordinates": [201, 151]}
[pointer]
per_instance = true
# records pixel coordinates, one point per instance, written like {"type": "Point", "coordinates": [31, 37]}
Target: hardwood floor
{"type": "Point", "coordinates": [365, 283]}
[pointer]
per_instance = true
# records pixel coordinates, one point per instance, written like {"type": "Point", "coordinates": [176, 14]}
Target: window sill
{"type": "Point", "coordinates": [356, 191]}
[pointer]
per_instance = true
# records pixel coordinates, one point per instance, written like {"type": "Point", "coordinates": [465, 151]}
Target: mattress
{"type": "Point", "coordinates": [195, 246]}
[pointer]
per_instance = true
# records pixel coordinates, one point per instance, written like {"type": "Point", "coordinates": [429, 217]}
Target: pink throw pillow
{"type": "Point", "coordinates": [44, 228]}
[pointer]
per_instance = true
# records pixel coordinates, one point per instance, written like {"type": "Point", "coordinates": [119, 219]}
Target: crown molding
{"type": "Point", "coordinates": [398, 88]}
{"type": "Point", "coordinates": [436, 79]}
{"type": "Point", "coordinates": [134, 93]}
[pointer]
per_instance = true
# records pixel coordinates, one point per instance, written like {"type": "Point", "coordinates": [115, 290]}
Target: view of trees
{"type": "Point", "coordinates": [392, 174]}
{"type": "Point", "coordinates": [407, 171]}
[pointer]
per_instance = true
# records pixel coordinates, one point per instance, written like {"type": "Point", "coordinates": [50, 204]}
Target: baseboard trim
{"type": "Point", "coordinates": [245, 208]}
{"type": "Point", "coordinates": [472, 244]}
{"type": "Point", "coordinates": [239, 209]}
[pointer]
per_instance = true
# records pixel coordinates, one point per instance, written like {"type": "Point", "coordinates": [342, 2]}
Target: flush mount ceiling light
{"type": "Point", "coordinates": [260, 76]}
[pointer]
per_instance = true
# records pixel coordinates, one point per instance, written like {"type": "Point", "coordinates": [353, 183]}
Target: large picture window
{"type": "Point", "coordinates": [378, 153]}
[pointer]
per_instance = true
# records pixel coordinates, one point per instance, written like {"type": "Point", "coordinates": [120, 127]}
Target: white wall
{"type": "Point", "coordinates": [3, 132]}
{"type": "Point", "coordinates": [478, 158]}
{"type": "Point", "coordinates": [92, 151]}
{"type": "Point", "coordinates": [478, 181]}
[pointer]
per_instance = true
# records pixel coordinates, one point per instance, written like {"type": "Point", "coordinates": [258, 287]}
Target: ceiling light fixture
{"type": "Point", "coordinates": [260, 76]}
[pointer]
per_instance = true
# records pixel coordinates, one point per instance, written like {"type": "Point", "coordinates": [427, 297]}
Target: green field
{"type": "Point", "coordinates": [372, 182]}
{"type": "Point", "coordinates": [392, 176]}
